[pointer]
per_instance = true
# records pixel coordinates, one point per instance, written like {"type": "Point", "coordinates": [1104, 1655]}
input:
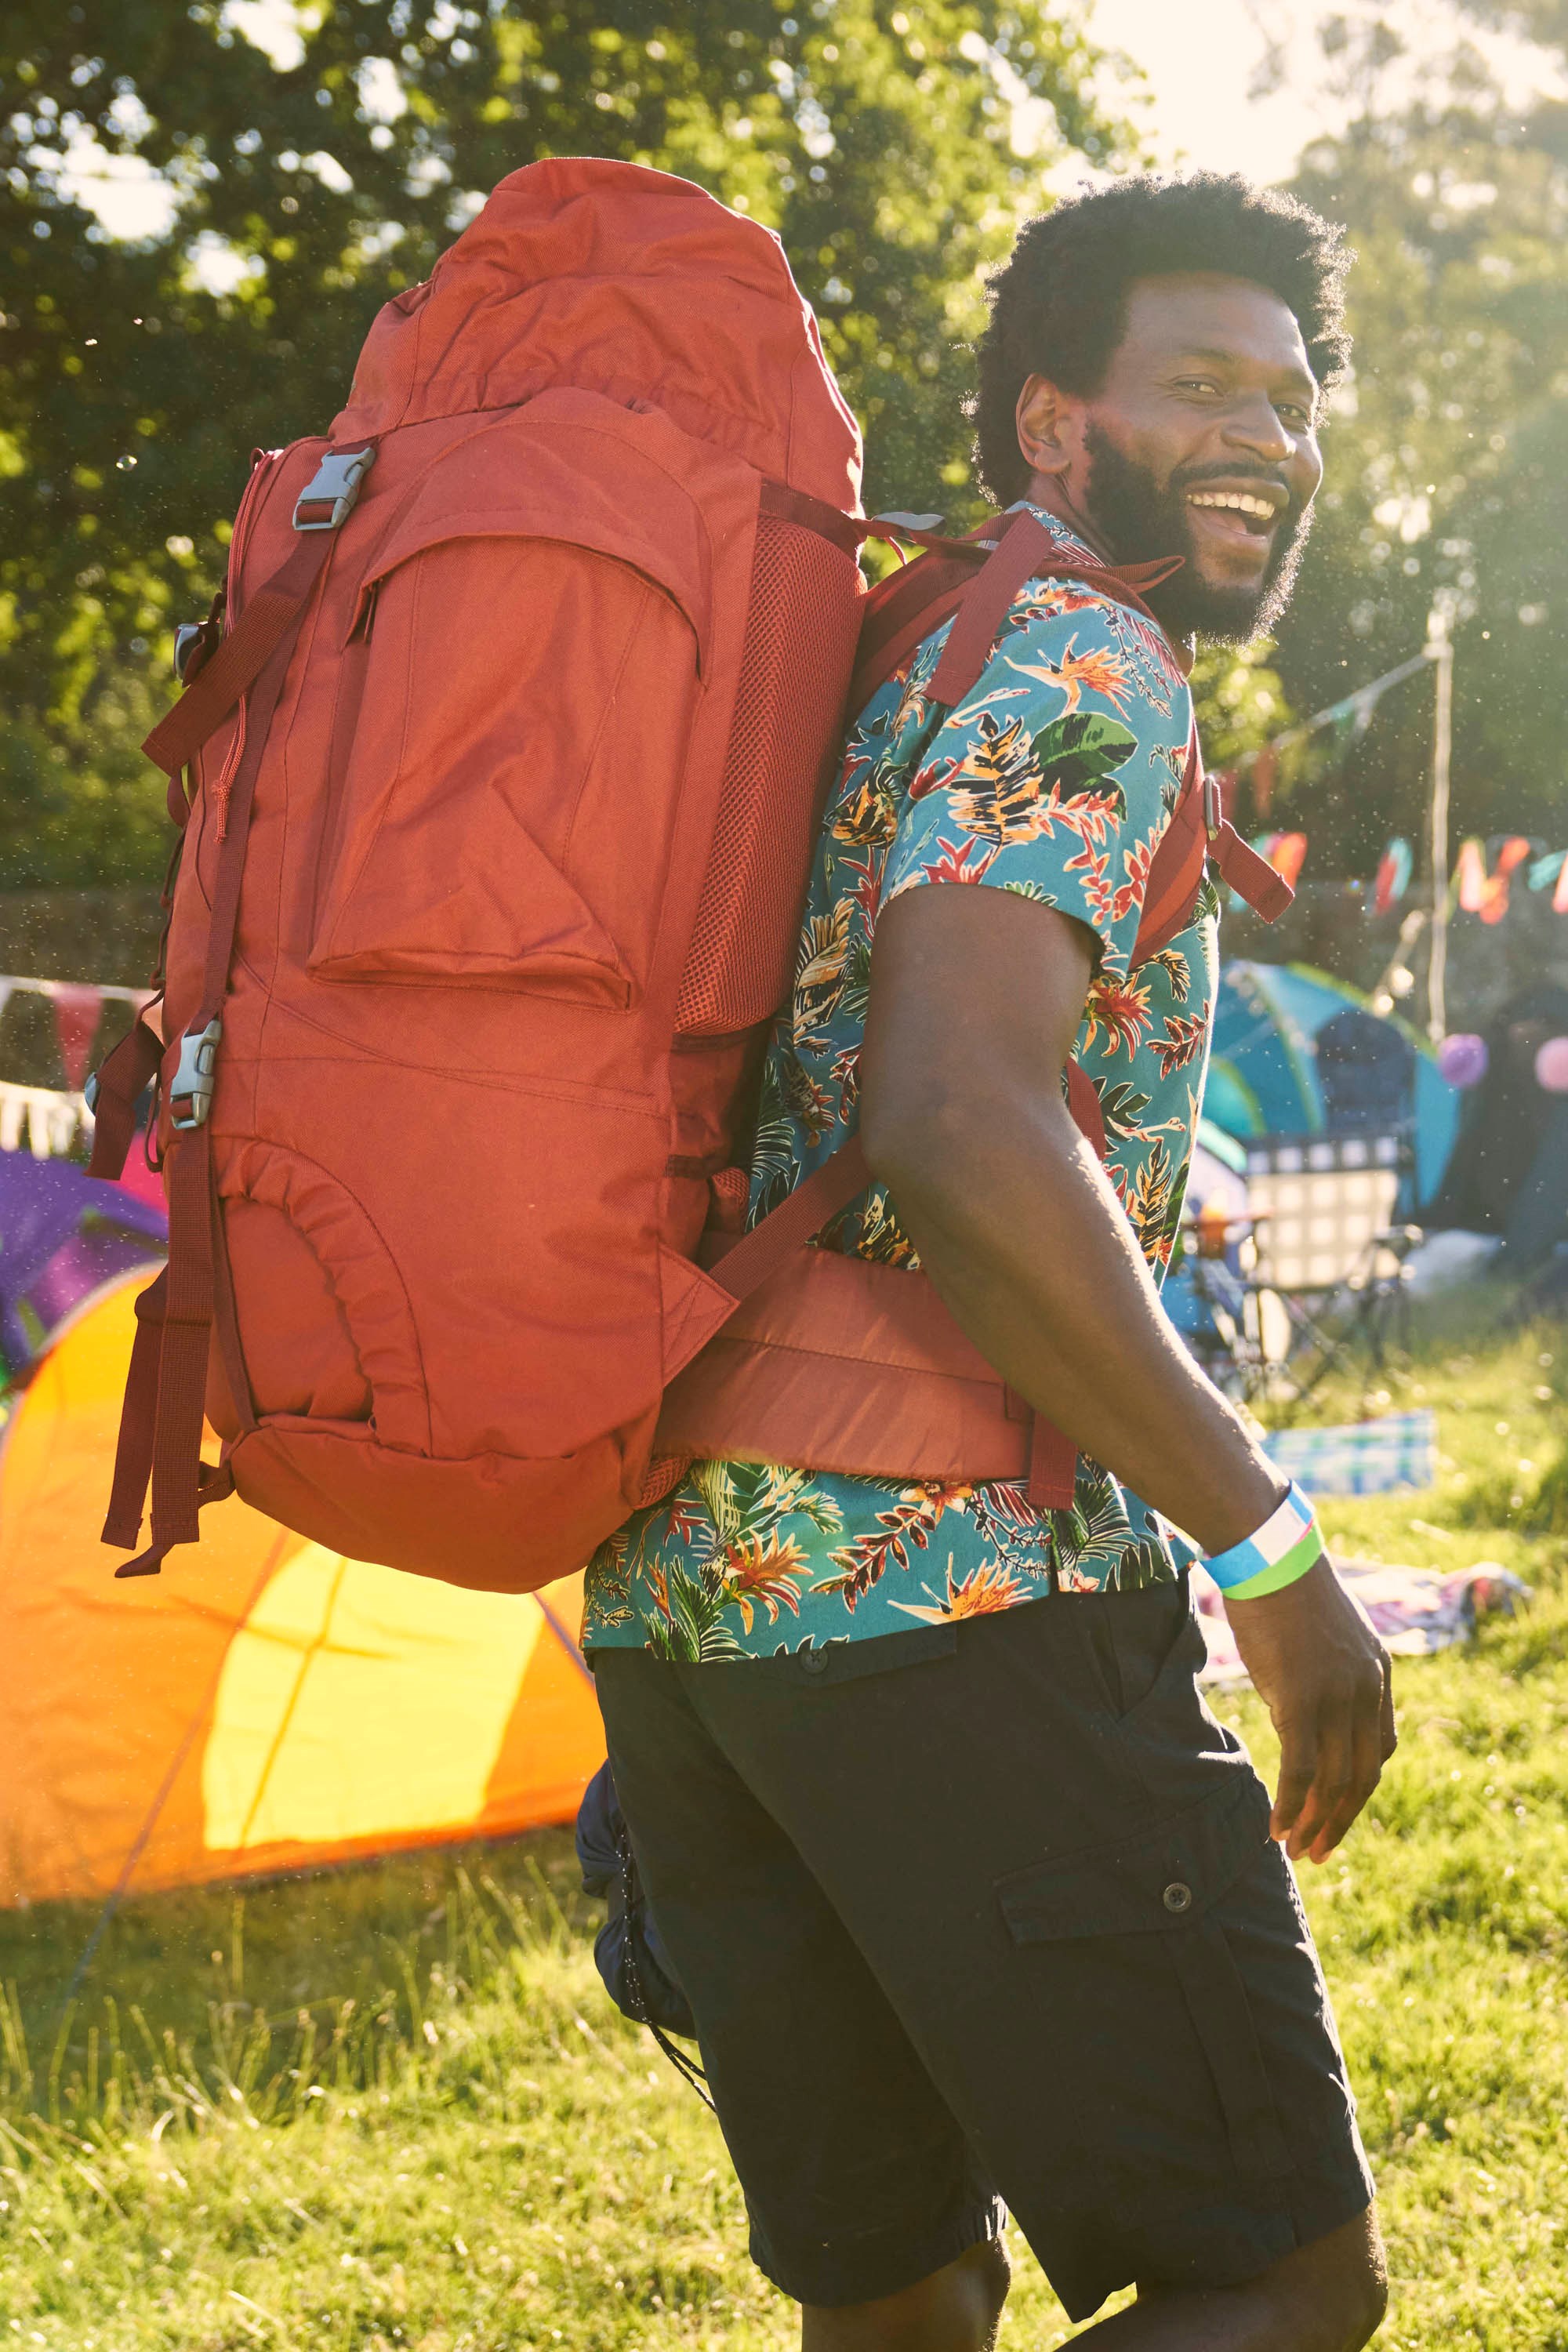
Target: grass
{"type": "Point", "coordinates": [389, 2107]}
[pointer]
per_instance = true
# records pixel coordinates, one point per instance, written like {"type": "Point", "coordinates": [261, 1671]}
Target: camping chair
{"type": "Point", "coordinates": [1317, 1266]}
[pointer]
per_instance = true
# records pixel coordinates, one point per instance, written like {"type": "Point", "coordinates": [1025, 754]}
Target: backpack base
{"type": "Point", "coordinates": [489, 1522]}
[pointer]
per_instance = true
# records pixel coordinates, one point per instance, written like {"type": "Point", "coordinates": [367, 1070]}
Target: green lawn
{"type": "Point", "coordinates": [389, 2107]}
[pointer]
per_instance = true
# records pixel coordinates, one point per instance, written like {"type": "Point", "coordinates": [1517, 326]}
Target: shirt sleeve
{"type": "Point", "coordinates": [1057, 776]}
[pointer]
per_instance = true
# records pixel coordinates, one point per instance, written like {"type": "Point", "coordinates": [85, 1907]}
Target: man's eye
{"type": "Point", "coordinates": [1196, 384]}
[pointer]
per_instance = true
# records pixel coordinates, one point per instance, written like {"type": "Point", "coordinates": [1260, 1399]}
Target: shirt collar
{"type": "Point", "coordinates": [1060, 530]}
{"type": "Point", "coordinates": [1181, 655]}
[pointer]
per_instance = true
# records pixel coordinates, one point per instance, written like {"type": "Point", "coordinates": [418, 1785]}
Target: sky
{"type": "Point", "coordinates": [1199, 57]}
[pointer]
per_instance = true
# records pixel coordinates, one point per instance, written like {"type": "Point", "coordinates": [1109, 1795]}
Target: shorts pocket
{"type": "Point", "coordinates": [1168, 1881]}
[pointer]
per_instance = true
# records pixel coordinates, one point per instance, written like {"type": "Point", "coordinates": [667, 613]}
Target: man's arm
{"type": "Point", "coordinates": [976, 999]}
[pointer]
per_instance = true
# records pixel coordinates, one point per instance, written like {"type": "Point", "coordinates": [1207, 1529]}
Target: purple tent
{"type": "Point", "coordinates": [63, 1235]}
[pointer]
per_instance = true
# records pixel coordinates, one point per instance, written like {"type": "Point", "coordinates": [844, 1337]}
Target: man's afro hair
{"type": "Point", "coordinates": [1058, 304]}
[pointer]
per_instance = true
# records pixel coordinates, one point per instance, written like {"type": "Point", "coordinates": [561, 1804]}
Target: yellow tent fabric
{"type": "Point", "coordinates": [262, 1704]}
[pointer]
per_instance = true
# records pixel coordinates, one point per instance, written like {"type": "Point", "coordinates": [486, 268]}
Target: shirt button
{"type": "Point", "coordinates": [1177, 1897]}
{"type": "Point", "coordinates": [813, 1661]}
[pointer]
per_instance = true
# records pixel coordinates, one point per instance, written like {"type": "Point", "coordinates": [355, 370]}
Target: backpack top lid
{"type": "Point", "coordinates": [625, 281]}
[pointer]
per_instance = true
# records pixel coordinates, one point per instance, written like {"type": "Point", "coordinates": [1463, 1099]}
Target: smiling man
{"type": "Point", "coordinates": [972, 1898]}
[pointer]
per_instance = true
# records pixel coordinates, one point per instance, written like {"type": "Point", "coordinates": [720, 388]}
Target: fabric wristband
{"type": "Point", "coordinates": [1284, 1547]}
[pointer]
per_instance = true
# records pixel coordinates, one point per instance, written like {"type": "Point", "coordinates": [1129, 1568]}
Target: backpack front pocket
{"type": "Point", "coordinates": [526, 658]}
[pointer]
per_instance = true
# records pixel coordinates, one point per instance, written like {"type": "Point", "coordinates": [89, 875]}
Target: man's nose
{"type": "Point", "coordinates": [1254, 424]}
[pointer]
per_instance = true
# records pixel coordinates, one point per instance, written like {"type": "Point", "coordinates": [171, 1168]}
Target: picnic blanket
{"type": "Point", "coordinates": [1363, 1458]}
{"type": "Point", "coordinates": [1414, 1609]}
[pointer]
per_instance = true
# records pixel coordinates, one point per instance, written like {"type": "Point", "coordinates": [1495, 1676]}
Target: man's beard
{"type": "Point", "coordinates": [1142, 521]}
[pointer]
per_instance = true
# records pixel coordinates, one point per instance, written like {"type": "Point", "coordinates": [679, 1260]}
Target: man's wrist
{"type": "Point", "coordinates": [1286, 1548]}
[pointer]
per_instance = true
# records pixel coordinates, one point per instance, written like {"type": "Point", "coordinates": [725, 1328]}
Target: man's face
{"type": "Point", "coordinates": [1202, 443]}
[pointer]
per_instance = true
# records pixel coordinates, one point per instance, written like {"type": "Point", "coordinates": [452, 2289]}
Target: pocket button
{"type": "Point", "coordinates": [1177, 1897]}
{"type": "Point", "coordinates": [814, 1661]}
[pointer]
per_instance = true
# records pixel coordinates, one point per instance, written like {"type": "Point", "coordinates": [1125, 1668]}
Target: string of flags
{"type": "Point", "coordinates": [1478, 886]}
{"type": "Point", "coordinates": [77, 1006]}
{"type": "Point", "coordinates": [1348, 719]}
{"type": "Point", "coordinates": [52, 1121]}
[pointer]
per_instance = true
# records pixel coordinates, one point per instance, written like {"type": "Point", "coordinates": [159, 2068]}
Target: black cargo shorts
{"type": "Point", "coordinates": [985, 1915]}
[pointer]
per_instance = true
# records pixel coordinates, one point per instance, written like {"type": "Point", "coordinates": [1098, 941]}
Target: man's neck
{"type": "Point", "coordinates": [1047, 492]}
{"type": "Point", "coordinates": [1046, 495]}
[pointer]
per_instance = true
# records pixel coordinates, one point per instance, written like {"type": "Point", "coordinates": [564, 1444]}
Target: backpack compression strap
{"type": "Point", "coordinates": [161, 1427]}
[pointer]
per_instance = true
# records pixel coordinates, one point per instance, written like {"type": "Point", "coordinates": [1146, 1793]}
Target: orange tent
{"type": "Point", "coordinates": [263, 1703]}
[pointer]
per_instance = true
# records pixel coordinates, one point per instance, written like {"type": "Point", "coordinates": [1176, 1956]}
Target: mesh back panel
{"type": "Point", "coordinates": [800, 646]}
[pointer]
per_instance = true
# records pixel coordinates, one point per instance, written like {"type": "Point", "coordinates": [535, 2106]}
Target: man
{"type": "Point", "coordinates": [971, 1898]}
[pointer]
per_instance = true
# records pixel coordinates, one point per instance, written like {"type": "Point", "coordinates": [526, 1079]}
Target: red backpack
{"type": "Point", "coordinates": [521, 668]}
{"type": "Point", "coordinates": [500, 772]}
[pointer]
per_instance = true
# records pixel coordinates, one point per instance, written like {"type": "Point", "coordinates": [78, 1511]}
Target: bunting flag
{"type": "Point", "coordinates": [1286, 852]}
{"type": "Point", "coordinates": [79, 1007]}
{"type": "Point", "coordinates": [1546, 870]}
{"type": "Point", "coordinates": [1560, 895]}
{"type": "Point", "coordinates": [1485, 893]}
{"type": "Point", "coordinates": [1393, 872]}
{"type": "Point", "coordinates": [1265, 766]}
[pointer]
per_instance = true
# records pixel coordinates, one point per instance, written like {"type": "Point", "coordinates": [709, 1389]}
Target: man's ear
{"type": "Point", "coordinates": [1051, 427]}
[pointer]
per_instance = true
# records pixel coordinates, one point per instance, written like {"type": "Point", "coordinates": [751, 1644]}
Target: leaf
{"type": "Point", "coordinates": [1083, 750]}
{"type": "Point", "coordinates": [1121, 1106]}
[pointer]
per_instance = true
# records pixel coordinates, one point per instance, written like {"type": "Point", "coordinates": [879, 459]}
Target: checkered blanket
{"type": "Point", "coordinates": [1363, 1458]}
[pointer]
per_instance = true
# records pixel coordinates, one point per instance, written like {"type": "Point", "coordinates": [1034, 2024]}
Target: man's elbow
{"type": "Point", "coordinates": [920, 1142]}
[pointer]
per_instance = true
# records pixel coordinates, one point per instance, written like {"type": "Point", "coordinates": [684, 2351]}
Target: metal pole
{"type": "Point", "coordinates": [1441, 650]}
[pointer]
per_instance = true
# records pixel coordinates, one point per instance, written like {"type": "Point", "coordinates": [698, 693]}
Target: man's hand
{"type": "Point", "coordinates": [1326, 1680]}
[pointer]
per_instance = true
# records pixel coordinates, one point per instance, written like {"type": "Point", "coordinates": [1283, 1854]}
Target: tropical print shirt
{"type": "Point", "coordinates": [1054, 780]}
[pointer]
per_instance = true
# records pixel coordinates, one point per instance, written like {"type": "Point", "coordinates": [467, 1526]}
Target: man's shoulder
{"type": "Point", "coordinates": [1078, 639]}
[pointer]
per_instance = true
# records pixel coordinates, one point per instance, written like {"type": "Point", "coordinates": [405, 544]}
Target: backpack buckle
{"type": "Point", "coordinates": [329, 498]}
{"type": "Point", "coordinates": [1213, 807]}
{"type": "Point", "coordinates": [191, 1092]}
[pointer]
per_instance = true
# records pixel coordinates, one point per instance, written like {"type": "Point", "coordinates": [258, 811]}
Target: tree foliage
{"type": "Point", "coordinates": [1445, 485]}
{"type": "Point", "coordinates": [137, 377]}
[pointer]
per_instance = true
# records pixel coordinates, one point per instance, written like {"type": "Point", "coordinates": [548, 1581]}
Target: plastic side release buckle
{"type": "Point", "coordinates": [191, 1094]}
{"type": "Point", "coordinates": [330, 498]}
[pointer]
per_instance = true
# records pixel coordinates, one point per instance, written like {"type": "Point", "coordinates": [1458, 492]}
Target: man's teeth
{"type": "Point", "coordinates": [1239, 501]}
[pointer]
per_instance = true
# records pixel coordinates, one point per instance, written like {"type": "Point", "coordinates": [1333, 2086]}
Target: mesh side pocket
{"type": "Point", "coordinates": [800, 633]}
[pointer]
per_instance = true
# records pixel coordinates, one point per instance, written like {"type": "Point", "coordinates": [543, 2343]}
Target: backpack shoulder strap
{"type": "Point", "coordinates": [1197, 832]}
{"type": "Point", "coordinates": [972, 582]}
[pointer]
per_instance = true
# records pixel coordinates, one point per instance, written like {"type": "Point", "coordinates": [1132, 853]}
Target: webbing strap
{"type": "Point", "coordinates": [770, 1245]}
{"type": "Point", "coordinates": [165, 1398]}
{"type": "Point", "coordinates": [241, 660]}
{"type": "Point", "coordinates": [1027, 550]}
{"type": "Point", "coordinates": [125, 1072]}
{"type": "Point", "coordinates": [1251, 876]}
{"type": "Point", "coordinates": [133, 1453]}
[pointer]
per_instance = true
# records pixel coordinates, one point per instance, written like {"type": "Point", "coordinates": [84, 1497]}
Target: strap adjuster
{"type": "Point", "coordinates": [191, 1091]}
{"type": "Point", "coordinates": [330, 498]}
{"type": "Point", "coordinates": [1213, 807]}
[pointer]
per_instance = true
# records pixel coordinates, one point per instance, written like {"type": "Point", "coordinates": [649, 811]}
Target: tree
{"type": "Point", "coordinates": [1444, 484]}
{"type": "Point", "coordinates": [312, 187]}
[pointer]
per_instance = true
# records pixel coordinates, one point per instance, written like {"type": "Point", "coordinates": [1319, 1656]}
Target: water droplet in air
{"type": "Point", "coordinates": [123, 464]}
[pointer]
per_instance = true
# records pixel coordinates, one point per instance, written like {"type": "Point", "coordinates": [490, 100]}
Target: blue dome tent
{"type": "Point", "coordinates": [1295, 1053]}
